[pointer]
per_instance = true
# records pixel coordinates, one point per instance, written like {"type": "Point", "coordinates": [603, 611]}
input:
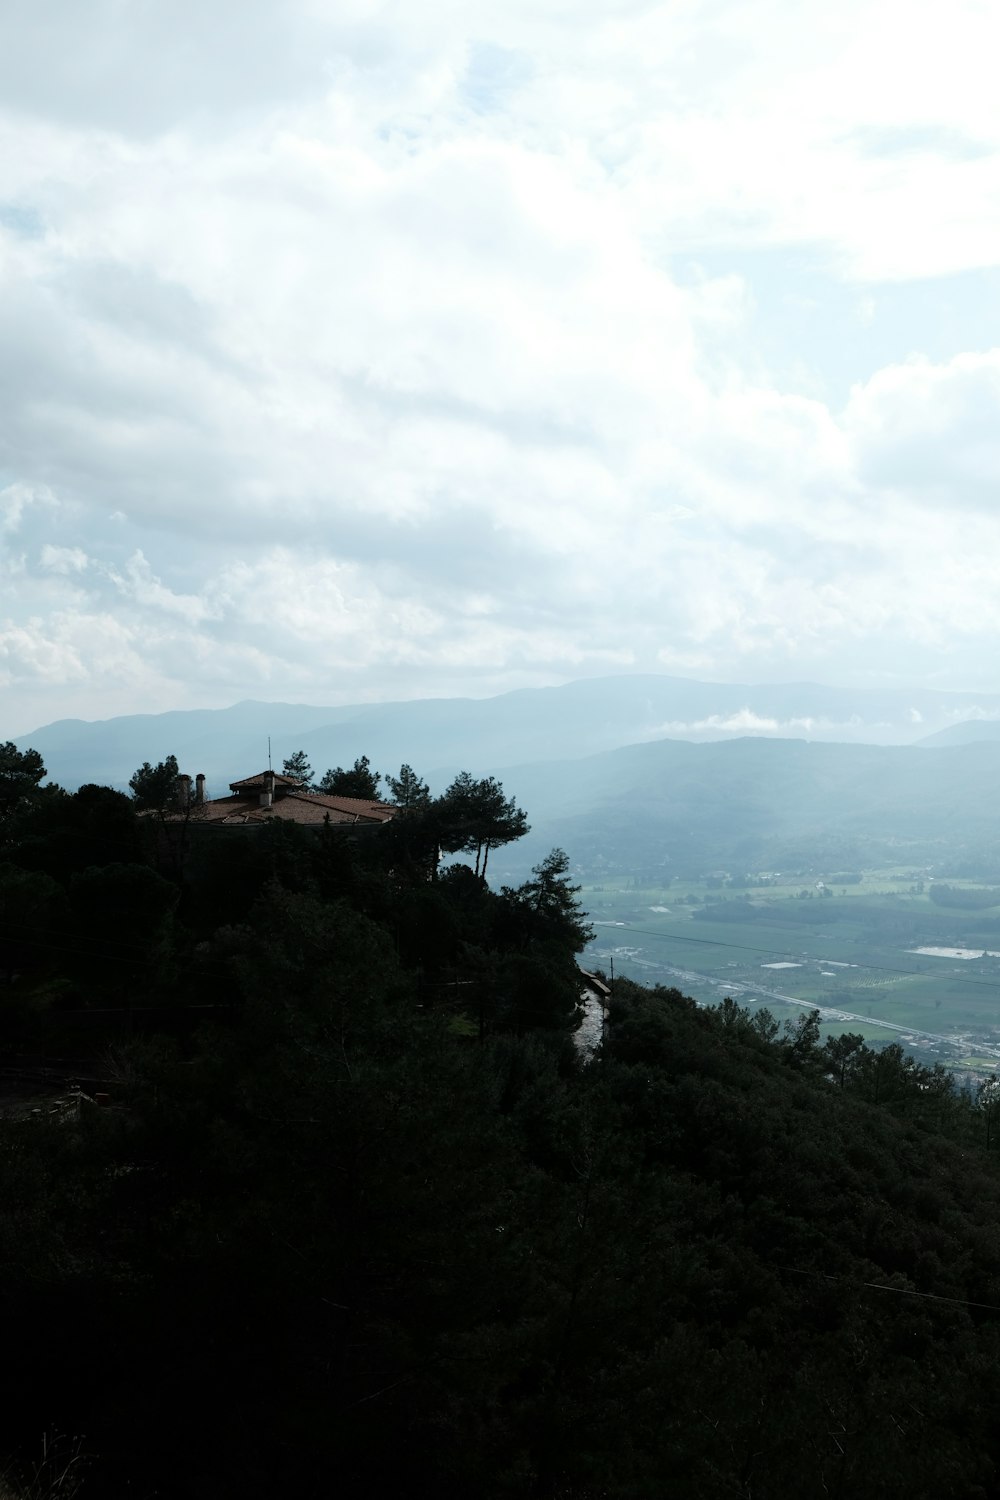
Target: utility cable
{"type": "Point", "coordinates": [881, 1286]}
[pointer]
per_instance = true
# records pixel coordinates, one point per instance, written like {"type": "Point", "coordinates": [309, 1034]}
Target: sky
{"type": "Point", "coordinates": [356, 351]}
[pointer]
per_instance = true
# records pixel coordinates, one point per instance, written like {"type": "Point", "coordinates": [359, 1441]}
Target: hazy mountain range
{"type": "Point", "coordinates": [442, 735]}
{"type": "Point", "coordinates": [758, 804]}
{"type": "Point", "coordinates": [633, 774]}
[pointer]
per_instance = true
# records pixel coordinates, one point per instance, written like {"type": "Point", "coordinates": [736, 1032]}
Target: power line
{"type": "Point", "coordinates": [881, 1286]}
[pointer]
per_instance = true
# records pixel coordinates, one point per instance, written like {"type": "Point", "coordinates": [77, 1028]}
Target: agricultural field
{"type": "Point", "coordinates": [852, 950]}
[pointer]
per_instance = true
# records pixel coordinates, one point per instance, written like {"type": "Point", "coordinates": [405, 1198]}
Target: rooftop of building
{"type": "Point", "coordinates": [268, 795]}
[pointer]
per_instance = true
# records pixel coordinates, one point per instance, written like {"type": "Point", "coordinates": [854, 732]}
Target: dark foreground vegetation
{"type": "Point", "coordinates": [374, 1227]}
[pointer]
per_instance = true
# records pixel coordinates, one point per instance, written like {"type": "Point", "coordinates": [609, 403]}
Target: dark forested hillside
{"type": "Point", "coordinates": [374, 1225]}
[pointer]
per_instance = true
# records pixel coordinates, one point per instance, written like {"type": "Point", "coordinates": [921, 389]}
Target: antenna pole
{"type": "Point", "coordinates": [604, 1009]}
{"type": "Point", "coordinates": [269, 752]}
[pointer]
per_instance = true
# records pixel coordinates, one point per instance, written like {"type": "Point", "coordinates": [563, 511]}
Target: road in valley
{"type": "Point", "coordinates": [740, 987]}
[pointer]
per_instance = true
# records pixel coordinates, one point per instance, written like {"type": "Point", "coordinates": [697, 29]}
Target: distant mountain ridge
{"type": "Point", "coordinates": [970, 732]}
{"type": "Point", "coordinates": [753, 804]}
{"type": "Point", "coordinates": [441, 735]}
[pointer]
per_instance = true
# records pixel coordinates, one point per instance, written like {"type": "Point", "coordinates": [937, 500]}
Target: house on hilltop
{"type": "Point", "coordinates": [260, 799]}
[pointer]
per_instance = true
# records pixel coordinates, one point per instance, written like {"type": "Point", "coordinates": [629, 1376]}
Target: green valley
{"type": "Point", "coordinates": [853, 951]}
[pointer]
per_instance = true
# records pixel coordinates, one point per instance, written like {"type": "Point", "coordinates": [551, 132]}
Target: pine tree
{"type": "Point", "coordinates": [155, 787]}
{"type": "Point", "coordinates": [407, 790]}
{"type": "Point", "coordinates": [297, 766]}
{"type": "Point", "coordinates": [20, 773]}
{"type": "Point", "coordinates": [552, 902]}
{"type": "Point", "coordinates": [359, 781]}
{"type": "Point", "coordinates": [476, 817]}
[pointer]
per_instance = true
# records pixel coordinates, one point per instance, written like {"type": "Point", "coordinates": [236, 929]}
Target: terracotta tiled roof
{"type": "Point", "coordinates": [260, 779]}
{"type": "Point", "coordinates": [293, 807]}
{"type": "Point", "coordinates": [291, 803]}
{"type": "Point", "coordinates": [359, 806]}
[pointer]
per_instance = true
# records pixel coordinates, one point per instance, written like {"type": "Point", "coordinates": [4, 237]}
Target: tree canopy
{"type": "Point", "coordinates": [474, 816]}
{"type": "Point", "coordinates": [407, 790]}
{"type": "Point", "coordinates": [361, 1206]}
{"type": "Point", "coordinates": [154, 788]}
{"type": "Point", "coordinates": [551, 903]}
{"type": "Point", "coordinates": [297, 765]}
{"type": "Point", "coordinates": [359, 781]}
{"type": "Point", "coordinates": [21, 774]}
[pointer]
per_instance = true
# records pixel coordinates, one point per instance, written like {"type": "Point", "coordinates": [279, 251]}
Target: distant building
{"type": "Point", "coordinates": [260, 799]}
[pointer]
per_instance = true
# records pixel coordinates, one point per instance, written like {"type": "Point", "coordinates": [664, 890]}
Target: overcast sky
{"type": "Point", "coordinates": [355, 351]}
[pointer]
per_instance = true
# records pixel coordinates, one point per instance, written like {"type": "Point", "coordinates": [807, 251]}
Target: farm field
{"type": "Point", "coordinates": [849, 950]}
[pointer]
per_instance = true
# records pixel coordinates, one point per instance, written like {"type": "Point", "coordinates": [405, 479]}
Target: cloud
{"type": "Point", "coordinates": [43, 655]}
{"type": "Point", "coordinates": [746, 722]}
{"type": "Point", "coordinates": [139, 584]}
{"type": "Point", "coordinates": [963, 715]}
{"type": "Point", "coordinates": [931, 430]}
{"type": "Point", "coordinates": [15, 500]}
{"type": "Point", "coordinates": [425, 348]}
{"type": "Point", "coordinates": [64, 559]}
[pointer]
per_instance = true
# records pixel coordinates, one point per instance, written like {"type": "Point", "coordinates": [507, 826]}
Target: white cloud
{"type": "Point", "coordinates": [931, 430]}
{"type": "Point", "coordinates": [139, 584]}
{"type": "Point", "coordinates": [385, 343]}
{"type": "Point", "coordinates": [15, 500]}
{"type": "Point", "coordinates": [64, 559]}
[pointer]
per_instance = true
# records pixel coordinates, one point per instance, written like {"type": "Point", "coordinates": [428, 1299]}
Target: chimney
{"type": "Point", "coordinates": [183, 791]}
{"type": "Point", "coordinates": [199, 795]}
{"type": "Point", "coordinates": [267, 796]}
